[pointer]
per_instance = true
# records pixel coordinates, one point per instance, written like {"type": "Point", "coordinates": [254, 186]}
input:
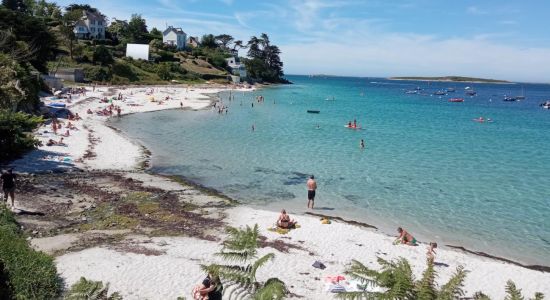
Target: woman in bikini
{"type": "Point", "coordinates": [284, 220]}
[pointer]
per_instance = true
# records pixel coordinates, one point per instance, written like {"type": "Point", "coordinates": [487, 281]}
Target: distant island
{"type": "Point", "coordinates": [451, 79]}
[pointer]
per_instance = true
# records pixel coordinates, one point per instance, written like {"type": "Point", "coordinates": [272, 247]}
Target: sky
{"type": "Point", "coordinates": [499, 39]}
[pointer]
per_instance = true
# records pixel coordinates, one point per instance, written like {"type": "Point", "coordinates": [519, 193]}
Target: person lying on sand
{"type": "Point", "coordinates": [51, 142]}
{"type": "Point", "coordinates": [284, 220]}
{"type": "Point", "coordinates": [405, 237]}
{"type": "Point", "coordinates": [431, 252]}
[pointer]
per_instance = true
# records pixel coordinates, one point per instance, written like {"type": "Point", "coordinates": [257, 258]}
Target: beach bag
{"type": "Point", "coordinates": [319, 265]}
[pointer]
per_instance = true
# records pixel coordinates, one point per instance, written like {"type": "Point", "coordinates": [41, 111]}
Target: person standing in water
{"type": "Point", "coordinates": [311, 187]}
{"type": "Point", "coordinates": [362, 144]}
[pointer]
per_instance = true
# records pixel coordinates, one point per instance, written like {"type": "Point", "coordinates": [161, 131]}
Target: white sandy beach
{"type": "Point", "coordinates": [175, 269]}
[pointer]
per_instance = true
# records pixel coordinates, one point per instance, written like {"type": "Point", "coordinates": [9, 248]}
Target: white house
{"type": "Point", "coordinates": [236, 67]}
{"type": "Point", "coordinates": [91, 26]}
{"type": "Point", "coordinates": [175, 37]}
{"type": "Point", "coordinates": [137, 51]}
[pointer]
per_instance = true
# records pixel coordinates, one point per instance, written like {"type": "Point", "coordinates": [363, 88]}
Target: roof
{"type": "Point", "coordinates": [173, 29]}
{"type": "Point", "coordinates": [93, 15]}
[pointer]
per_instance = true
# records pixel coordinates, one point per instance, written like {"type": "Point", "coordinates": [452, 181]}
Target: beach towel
{"type": "Point", "coordinates": [319, 265]}
{"type": "Point", "coordinates": [336, 288]}
{"type": "Point", "coordinates": [280, 230]}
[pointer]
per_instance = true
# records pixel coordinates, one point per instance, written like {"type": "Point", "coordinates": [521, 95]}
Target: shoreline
{"type": "Point", "coordinates": [142, 164]}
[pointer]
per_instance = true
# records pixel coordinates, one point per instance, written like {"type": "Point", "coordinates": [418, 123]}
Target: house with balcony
{"type": "Point", "coordinates": [92, 25]}
{"type": "Point", "coordinates": [174, 37]}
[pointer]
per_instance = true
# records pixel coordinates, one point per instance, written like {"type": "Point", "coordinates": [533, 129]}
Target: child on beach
{"type": "Point", "coordinates": [431, 252]}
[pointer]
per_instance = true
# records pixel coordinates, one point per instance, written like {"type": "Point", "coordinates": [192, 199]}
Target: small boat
{"type": "Point", "coordinates": [330, 99]}
{"type": "Point", "coordinates": [311, 111]}
{"type": "Point", "coordinates": [440, 93]}
{"type": "Point", "coordinates": [418, 88]}
{"type": "Point", "coordinates": [451, 90]}
{"type": "Point", "coordinates": [352, 127]}
{"type": "Point", "coordinates": [546, 105]}
{"type": "Point", "coordinates": [509, 99]}
{"type": "Point", "coordinates": [471, 93]}
{"type": "Point", "coordinates": [456, 100]}
{"type": "Point", "coordinates": [411, 92]}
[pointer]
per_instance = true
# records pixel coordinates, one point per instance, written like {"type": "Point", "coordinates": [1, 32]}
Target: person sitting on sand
{"type": "Point", "coordinates": [405, 237]}
{"type": "Point", "coordinates": [61, 143]}
{"type": "Point", "coordinates": [51, 142]}
{"type": "Point", "coordinates": [67, 133]}
{"type": "Point", "coordinates": [89, 111]}
{"type": "Point", "coordinates": [431, 252]}
{"type": "Point", "coordinates": [284, 220]}
{"type": "Point", "coordinates": [77, 117]}
{"type": "Point", "coordinates": [210, 289]}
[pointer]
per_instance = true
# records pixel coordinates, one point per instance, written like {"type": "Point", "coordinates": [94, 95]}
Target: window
{"type": "Point", "coordinates": [93, 29]}
{"type": "Point", "coordinates": [99, 23]}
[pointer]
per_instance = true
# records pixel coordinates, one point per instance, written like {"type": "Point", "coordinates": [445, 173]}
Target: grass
{"type": "Point", "coordinates": [29, 274]}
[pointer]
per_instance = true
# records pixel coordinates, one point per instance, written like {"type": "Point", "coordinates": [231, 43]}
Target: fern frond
{"type": "Point", "coordinates": [273, 289]}
{"type": "Point", "coordinates": [538, 296]}
{"type": "Point", "coordinates": [425, 288]}
{"type": "Point", "coordinates": [453, 289]}
{"type": "Point", "coordinates": [512, 292]}
{"type": "Point", "coordinates": [481, 296]}
{"type": "Point", "coordinates": [260, 262]}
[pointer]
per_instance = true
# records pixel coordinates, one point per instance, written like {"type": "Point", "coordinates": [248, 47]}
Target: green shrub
{"type": "Point", "coordinates": [31, 274]}
{"type": "Point", "coordinates": [15, 133]}
{"type": "Point", "coordinates": [97, 73]}
{"type": "Point", "coordinates": [163, 71]}
{"type": "Point", "coordinates": [119, 80]}
{"type": "Point", "coordinates": [102, 55]}
{"type": "Point", "coordinates": [123, 69]}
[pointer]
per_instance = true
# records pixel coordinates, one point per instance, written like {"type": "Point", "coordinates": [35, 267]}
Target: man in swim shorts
{"type": "Point", "coordinates": [311, 187]}
{"type": "Point", "coordinates": [406, 238]}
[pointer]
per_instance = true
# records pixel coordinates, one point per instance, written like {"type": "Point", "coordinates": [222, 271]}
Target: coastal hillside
{"type": "Point", "coordinates": [450, 78]}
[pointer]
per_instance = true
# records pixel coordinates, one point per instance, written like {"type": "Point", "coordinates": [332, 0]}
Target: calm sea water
{"type": "Point", "coordinates": [427, 165]}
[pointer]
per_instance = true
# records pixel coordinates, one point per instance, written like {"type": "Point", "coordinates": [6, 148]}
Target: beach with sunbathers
{"type": "Point", "coordinates": [154, 252]}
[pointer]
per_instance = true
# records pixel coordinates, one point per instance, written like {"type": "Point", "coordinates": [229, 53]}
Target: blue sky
{"type": "Point", "coordinates": [490, 38]}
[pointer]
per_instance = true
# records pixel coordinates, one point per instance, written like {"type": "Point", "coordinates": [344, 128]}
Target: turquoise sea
{"type": "Point", "coordinates": [427, 165]}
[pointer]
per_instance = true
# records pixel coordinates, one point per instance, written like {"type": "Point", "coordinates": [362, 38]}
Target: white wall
{"type": "Point", "coordinates": [137, 51]}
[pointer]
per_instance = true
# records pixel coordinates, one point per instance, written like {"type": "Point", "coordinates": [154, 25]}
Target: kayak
{"type": "Point", "coordinates": [313, 111]}
{"type": "Point", "coordinates": [456, 100]}
{"type": "Point", "coordinates": [351, 127]}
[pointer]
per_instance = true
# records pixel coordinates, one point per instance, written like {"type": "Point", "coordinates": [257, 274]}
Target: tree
{"type": "Point", "coordinates": [70, 18]}
{"type": "Point", "coordinates": [224, 40]}
{"type": "Point", "coordinates": [264, 63]}
{"type": "Point", "coordinates": [155, 34]}
{"type": "Point", "coordinates": [18, 89]}
{"type": "Point", "coordinates": [102, 55]}
{"type": "Point", "coordinates": [163, 71]}
{"type": "Point", "coordinates": [208, 41]}
{"type": "Point", "coordinates": [16, 133]}
{"type": "Point", "coordinates": [137, 30]}
{"type": "Point", "coordinates": [15, 5]}
{"type": "Point", "coordinates": [118, 29]}
{"type": "Point", "coordinates": [241, 246]}
{"type": "Point", "coordinates": [238, 44]}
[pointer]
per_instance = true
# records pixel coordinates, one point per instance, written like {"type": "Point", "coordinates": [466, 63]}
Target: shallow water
{"type": "Point", "coordinates": [427, 165]}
